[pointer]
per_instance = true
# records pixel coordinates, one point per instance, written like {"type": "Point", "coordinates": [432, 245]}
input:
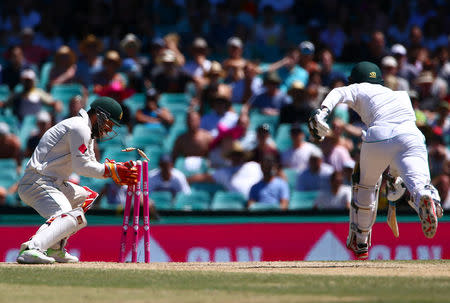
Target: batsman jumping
{"type": "Point", "coordinates": [65, 148]}
{"type": "Point", "coordinates": [391, 139]}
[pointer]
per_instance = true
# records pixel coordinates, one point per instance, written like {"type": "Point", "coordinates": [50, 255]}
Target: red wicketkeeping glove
{"type": "Point", "coordinates": [121, 173]}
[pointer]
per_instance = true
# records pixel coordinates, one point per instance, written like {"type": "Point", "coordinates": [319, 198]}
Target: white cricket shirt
{"type": "Point", "coordinates": [65, 148]}
{"type": "Point", "coordinates": [385, 112]}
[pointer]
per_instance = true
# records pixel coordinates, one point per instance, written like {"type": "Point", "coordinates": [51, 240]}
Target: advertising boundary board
{"type": "Point", "coordinates": [243, 242]}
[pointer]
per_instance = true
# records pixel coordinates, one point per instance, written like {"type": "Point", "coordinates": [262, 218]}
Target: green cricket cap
{"type": "Point", "coordinates": [366, 72]}
{"type": "Point", "coordinates": [110, 106]}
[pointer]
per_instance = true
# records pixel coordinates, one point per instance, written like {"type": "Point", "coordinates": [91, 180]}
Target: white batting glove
{"type": "Point", "coordinates": [396, 190]}
{"type": "Point", "coordinates": [317, 124]}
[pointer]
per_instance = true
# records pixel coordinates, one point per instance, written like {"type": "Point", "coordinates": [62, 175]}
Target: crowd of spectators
{"type": "Point", "coordinates": [249, 72]}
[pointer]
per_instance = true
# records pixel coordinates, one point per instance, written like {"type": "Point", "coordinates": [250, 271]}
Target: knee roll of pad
{"type": "Point", "coordinates": [59, 228]}
{"type": "Point", "coordinates": [79, 217]}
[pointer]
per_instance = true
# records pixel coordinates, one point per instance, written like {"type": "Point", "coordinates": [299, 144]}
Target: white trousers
{"type": "Point", "coordinates": [48, 197]}
{"type": "Point", "coordinates": [407, 154]}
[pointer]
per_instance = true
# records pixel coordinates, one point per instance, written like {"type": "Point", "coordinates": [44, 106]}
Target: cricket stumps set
{"type": "Point", "coordinates": [134, 193]}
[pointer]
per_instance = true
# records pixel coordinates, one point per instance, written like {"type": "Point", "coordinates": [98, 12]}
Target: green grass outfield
{"type": "Point", "coordinates": [350, 281]}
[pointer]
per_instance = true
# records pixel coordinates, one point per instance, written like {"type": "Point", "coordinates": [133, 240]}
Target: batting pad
{"type": "Point", "coordinates": [58, 228]}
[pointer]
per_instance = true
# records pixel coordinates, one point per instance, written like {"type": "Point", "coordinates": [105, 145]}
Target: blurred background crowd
{"type": "Point", "coordinates": [218, 92]}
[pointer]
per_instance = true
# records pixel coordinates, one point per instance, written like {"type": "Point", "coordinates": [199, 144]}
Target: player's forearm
{"type": "Point", "coordinates": [332, 99]}
{"type": "Point", "coordinates": [91, 169]}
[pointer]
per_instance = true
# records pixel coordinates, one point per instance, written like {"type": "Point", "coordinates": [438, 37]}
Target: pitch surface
{"type": "Point", "coordinates": [354, 281]}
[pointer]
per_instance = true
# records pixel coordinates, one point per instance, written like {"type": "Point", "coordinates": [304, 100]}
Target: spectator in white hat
{"type": "Point", "coordinates": [306, 61]}
{"type": "Point", "coordinates": [431, 89]}
{"type": "Point", "coordinates": [199, 65]}
{"type": "Point", "coordinates": [317, 175]}
{"type": "Point", "coordinates": [31, 99]}
{"type": "Point", "coordinates": [389, 69]}
{"type": "Point", "coordinates": [171, 78]}
{"type": "Point", "coordinates": [132, 64]}
{"type": "Point", "coordinates": [404, 70]}
{"type": "Point", "coordinates": [234, 59]}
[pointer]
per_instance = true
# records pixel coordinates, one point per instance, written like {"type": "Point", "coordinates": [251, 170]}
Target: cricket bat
{"type": "Point", "coordinates": [392, 216]}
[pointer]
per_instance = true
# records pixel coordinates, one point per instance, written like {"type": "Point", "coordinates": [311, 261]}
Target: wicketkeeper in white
{"type": "Point", "coordinates": [391, 139]}
{"type": "Point", "coordinates": [65, 148]}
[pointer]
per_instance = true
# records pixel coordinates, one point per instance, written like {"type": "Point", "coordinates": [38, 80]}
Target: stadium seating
{"type": "Point", "coordinates": [177, 110]}
{"type": "Point", "coordinates": [91, 98]}
{"type": "Point", "coordinates": [23, 165]}
{"type": "Point", "coordinates": [28, 126]}
{"type": "Point", "coordinates": [116, 153]}
{"type": "Point", "coordinates": [8, 177]}
{"type": "Point", "coordinates": [168, 99]}
{"type": "Point", "coordinates": [237, 107]}
{"type": "Point", "coordinates": [143, 136]}
{"type": "Point", "coordinates": [4, 92]}
{"type": "Point", "coordinates": [8, 172]}
{"type": "Point", "coordinates": [343, 67]}
{"type": "Point", "coordinates": [65, 92]}
{"type": "Point", "coordinates": [135, 102]}
{"type": "Point", "coordinates": [13, 200]}
{"type": "Point", "coordinates": [120, 140]}
{"type": "Point", "coordinates": [154, 153]}
{"type": "Point", "coordinates": [94, 183]}
{"type": "Point", "coordinates": [210, 188]}
{"type": "Point", "coordinates": [191, 165]}
{"type": "Point", "coordinates": [257, 118]}
{"type": "Point", "coordinates": [291, 175]}
{"type": "Point", "coordinates": [283, 137]}
{"type": "Point", "coordinates": [178, 128]}
{"type": "Point", "coordinates": [227, 206]}
{"type": "Point", "coordinates": [162, 200]}
{"type": "Point", "coordinates": [224, 200]}
{"type": "Point", "coordinates": [12, 121]}
{"type": "Point", "coordinates": [263, 207]}
{"type": "Point", "coordinates": [197, 200]}
{"type": "Point", "coordinates": [45, 74]}
{"type": "Point", "coordinates": [302, 200]}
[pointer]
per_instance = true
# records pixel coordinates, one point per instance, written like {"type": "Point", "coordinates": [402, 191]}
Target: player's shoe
{"type": "Point", "coordinates": [427, 215]}
{"type": "Point", "coordinates": [61, 256]}
{"type": "Point", "coordinates": [34, 256]}
{"type": "Point", "coordinates": [360, 250]}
